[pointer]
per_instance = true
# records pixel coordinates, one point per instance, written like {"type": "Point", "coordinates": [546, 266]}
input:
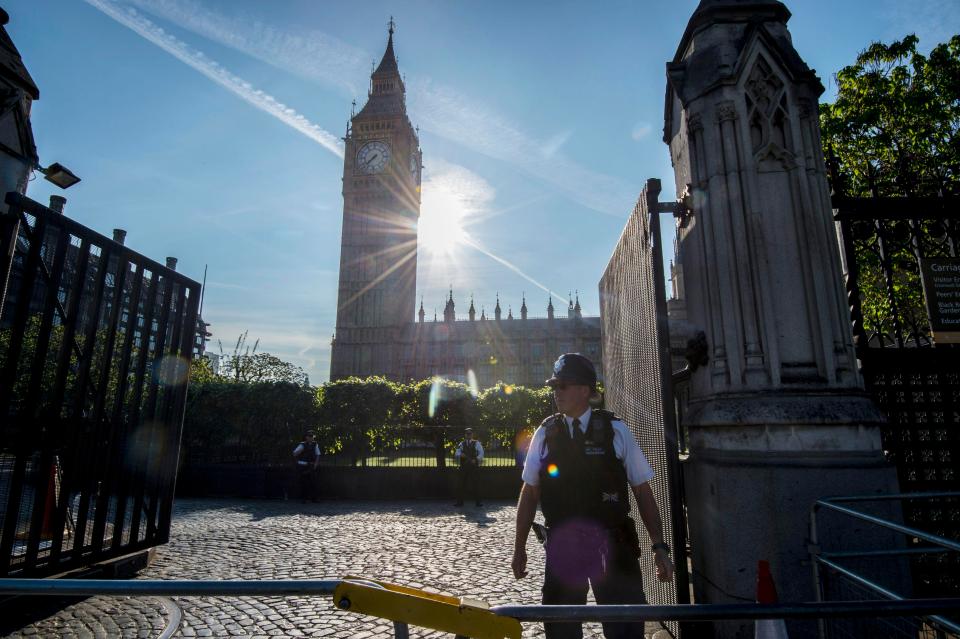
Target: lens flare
{"type": "Point", "coordinates": [145, 442]}
{"type": "Point", "coordinates": [508, 390]}
{"type": "Point", "coordinates": [552, 470]}
{"type": "Point", "coordinates": [171, 370]}
{"type": "Point", "coordinates": [472, 383]}
{"type": "Point", "coordinates": [436, 394]}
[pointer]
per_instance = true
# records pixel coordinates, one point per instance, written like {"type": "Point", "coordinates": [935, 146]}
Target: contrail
{"type": "Point", "coordinates": [143, 27]}
{"type": "Point", "coordinates": [469, 241]}
{"type": "Point", "coordinates": [441, 110]}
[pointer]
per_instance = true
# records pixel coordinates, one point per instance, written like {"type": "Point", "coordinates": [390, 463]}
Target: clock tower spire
{"type": "Point", "coordinates": [378, 248]}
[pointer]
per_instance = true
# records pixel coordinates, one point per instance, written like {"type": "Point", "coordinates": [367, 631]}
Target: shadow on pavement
{"type": "Point", "coordinates": [262, 509]}
{"type": "Point", "coordinates": [19, 612]}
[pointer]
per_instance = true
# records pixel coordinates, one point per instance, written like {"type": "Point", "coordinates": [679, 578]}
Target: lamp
{"type": "Point", "coordinates": [59, 175]}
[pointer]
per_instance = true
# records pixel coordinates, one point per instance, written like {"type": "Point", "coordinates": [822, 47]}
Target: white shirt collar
{"type": "Point", "coordinates": [584, 420]}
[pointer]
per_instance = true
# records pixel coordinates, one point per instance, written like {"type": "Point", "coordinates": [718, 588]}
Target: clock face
{"type": "Point", "coordinates": [373, 157]}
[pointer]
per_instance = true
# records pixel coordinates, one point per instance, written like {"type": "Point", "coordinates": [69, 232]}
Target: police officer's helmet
{"type": "Point", "coordinates": [573, 368]}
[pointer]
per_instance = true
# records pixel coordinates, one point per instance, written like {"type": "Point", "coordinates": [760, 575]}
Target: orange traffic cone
{"type": "Point", "coordinates": [767, 594]}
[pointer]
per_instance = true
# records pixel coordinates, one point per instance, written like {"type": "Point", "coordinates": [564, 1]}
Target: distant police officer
{"type": "Point", "coordinates": [307, 455]}
{"type": "Point", "coordinates": [469, 453]}
{"type": "Point", "coordinates": [580, 466]}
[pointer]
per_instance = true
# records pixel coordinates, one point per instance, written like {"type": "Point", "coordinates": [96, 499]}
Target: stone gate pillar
{"type": "Point", "coordinates": [777, 416]}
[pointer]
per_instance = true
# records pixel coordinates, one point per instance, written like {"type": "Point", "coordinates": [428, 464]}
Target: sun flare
{"type": "Point", "coordinates": [442, 230]}
{"type": "Point", "coordinates": [453, 197]}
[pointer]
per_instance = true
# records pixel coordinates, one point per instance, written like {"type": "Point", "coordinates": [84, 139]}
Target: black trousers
{"type": "Point", "coordinates": [308, 482]}
{"type": "Point", "coordinates": [579, 556]}
{"type": "Point", "coordinates": [468, 482]}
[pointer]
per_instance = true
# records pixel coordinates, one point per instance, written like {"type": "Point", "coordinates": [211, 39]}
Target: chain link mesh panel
{"type": "Point", "coordinates": [633, 372]}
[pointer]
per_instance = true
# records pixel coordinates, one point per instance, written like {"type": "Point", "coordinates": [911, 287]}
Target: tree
{"type": "Point", "coordinates": [200, 371]}
{"type": "Point", "coordinates": [505, 408]}
{"type": "Point", "coordinates": [892, 131]}
{"type": "Point", "coordinates": [439, 404]}
{"type": "Point", "coordinates": [245, 364]}
{"type": "Point", "coordinates": [893, 127]}
{"type": "Point", "coordinates": [250, 422]}
{"type": "Point", "coordinates": [357, 412]}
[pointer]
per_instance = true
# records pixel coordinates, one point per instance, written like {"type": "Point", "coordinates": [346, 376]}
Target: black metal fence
{"type": "Point", "coordinates": [95, 346]}
{"type": "Point", "coordinates": [915, 381]}
{"type": "Point", "coordinates": [388, 446]}
{"type": "Point", "coordinates": [636, 364]}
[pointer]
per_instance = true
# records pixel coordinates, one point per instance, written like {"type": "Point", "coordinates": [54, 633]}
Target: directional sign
{"type": "Point", "coordinates": [941, 288]}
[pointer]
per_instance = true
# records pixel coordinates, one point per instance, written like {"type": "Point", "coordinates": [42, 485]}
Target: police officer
{"type": "Point", "coordinates": [307, 455]}
{"type": "Point", "coordinates": [469, 453]}
{"type": "Point", "coordinates": [580, 466]}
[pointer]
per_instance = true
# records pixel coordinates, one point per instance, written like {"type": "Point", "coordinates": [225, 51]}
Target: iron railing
{"type": "Point", "coordinates": [915, 381]}
{"type": "Point", "coordinates": [383, 447]}
{"type": "Point", "coordinates": [883, 241]}
{"type": "Point", "coordinates": [95, 346]}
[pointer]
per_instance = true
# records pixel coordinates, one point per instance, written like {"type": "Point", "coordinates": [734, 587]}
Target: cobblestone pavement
{"type": "Point", "coordinates": [429, 545]}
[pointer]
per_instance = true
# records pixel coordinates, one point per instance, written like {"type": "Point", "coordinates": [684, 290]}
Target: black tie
{"type": "Point", "coordinates": [577, 433]}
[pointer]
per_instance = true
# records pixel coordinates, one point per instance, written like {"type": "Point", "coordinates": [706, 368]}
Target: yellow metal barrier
{"type": "Point", "coordinates": [460, 616]}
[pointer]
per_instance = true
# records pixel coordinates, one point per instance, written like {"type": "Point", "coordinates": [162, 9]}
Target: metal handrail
{"type": "Point", "coordinates": [825, 558]}
{"type": "Point", "coordinates": [167, 587]}
{"type": "Point", "coordinates": [907, 530]}
{"type": "Point", "coordinates": [714, 612]}
{"type": "Point", "coordinates": [679, 612]}
{"type": "Point", "coordinates": [863, 581]}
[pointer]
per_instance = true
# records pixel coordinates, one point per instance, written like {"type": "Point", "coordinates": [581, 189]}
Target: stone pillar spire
{"type": "Point", "coordinates": [420, 313]}
{"type": "Point", "coordinates": [577, 311]}
{"type": "Point", "coordinates": [496, 310]}
{"type": "Point", "coordinates": [523, 307]}
{"type": "Point", "coordinates": [472, 311]}
{"type": "Point", "coordinates": [509, 312]}
{"type": "Point", "coordinates": [550, 307]}
{"type": "Point", "coordinates": [570, 305]}
{"type": "Point", "coordinates": [777, 417]}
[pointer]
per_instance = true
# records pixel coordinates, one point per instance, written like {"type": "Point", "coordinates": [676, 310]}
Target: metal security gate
{"type": "Point", "coordinates": [95, 346]}
{"type": "Point", "coordinates": [915, 381]}
{"type": "Point", "coordinates": [636, 365]}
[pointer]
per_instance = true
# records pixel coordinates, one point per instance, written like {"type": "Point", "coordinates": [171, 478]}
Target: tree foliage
{"type": "Point", "coordinates": [245, 364]}
{"type": "Point", "coordinates": [251, 422]}
{"type": "Point", "coordinates": [893, 126]}
{"type": "Point", "coordinates": [355, 414]}
{"type": "Point", "coordinates": [356, 418]}
{"type": "Point", "coordinates": [892, 131]}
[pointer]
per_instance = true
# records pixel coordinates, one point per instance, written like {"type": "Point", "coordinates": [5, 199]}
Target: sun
{"type": "Point", "coordinates": [442, 225]}
{"type": "Point", "coordinates": [441, 232]}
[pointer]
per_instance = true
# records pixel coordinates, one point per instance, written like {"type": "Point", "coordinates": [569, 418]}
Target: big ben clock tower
{"type": "Point", "coordinates": [378, 249]}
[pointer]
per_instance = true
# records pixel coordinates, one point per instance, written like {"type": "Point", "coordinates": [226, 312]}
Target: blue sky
{"type": "Point", "coordinates": [209, 131]}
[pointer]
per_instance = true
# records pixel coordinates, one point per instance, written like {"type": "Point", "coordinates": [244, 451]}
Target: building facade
{"type": "Point", "coordinates": [376, 333]}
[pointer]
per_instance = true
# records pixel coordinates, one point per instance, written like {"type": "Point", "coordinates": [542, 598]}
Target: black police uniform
{"type": "Point", "coordinates": [584, 496]}
{"type": "Point", "coordinates": [469, 454]}
{"type": "Point", "coordinates": [308, 484]}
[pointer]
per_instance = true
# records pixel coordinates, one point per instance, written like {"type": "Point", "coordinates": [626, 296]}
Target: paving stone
{"type": "Point", "coordinates": [426, 545]}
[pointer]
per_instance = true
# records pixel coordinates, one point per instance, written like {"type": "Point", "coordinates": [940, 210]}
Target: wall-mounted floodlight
{"type": "Point", "coordinates": [59, 175]}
